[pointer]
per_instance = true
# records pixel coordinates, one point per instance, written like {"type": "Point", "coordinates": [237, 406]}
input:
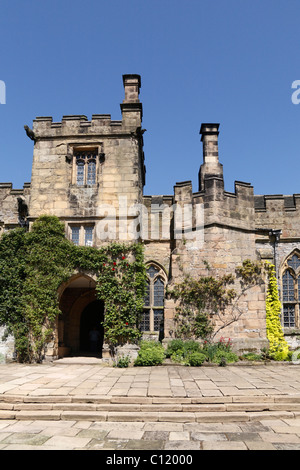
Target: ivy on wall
{"type": "Point", "coordinates": [34, 264]}
{"type": "Point", "coordinates": [278, 347]}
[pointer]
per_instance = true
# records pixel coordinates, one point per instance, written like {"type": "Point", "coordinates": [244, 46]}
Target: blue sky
{"type": "Point", "coordinates": [226, 61]}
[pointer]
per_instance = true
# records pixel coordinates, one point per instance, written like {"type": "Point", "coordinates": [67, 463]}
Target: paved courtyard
{"type": "Point", "coordinates": [76, 377]}
{"type": "Point", "coordinates": [225, 388]}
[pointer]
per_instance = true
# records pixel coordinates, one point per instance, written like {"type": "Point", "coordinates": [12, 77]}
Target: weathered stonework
{"type": "Point", "coordinates": [235, 226]}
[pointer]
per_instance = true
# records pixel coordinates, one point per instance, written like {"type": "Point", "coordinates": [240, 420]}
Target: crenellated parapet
{"type": "Point", "coordinates": [278, 211]}
{"type": "Point", "coordinates": [14, 206]}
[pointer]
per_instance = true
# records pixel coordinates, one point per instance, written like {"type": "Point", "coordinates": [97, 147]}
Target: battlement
{"type": "Point", "coordinates": [72, 125]}
{"type": "Point", "coordinates": [8, 188]}
{"type": "Point", "coordinates": [99, 124]}
{"type": "Point", "coordinates": [274, 201]}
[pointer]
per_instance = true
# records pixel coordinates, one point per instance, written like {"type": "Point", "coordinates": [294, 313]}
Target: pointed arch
{"type": "Point", "coordinates": [153, 315]}
{"type": "Point", "coordinates": [290, 289]}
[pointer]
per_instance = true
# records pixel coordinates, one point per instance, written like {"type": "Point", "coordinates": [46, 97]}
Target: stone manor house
{"type": "Point", "coordinates": [81, 166]}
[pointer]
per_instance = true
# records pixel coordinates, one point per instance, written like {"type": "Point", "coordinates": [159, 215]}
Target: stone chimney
{"type": "Point", "coordinates": [211, 165]}
{"type": "Point", "coordinates": [132, 109]}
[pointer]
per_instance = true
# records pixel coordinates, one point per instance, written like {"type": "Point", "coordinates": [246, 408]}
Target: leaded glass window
{"type": "Point", "coordinates": [91, 174]}
{"type": "Point", "coordinates": [153, 316]}
{"type": "Point", "coordinates": [291, 292]}
{"type": "Point", "coordinates": [294, 262]}
{"type": "Point", "coordinates": [75, 235]}
{"type": "Point", "coordinates": [80, 173]}
{"type": "Point", "coordinates": [86, 167]}
{"type": "Point", "coordinates": [152, 271]}
{"type": "Point", "coordinates": [158, 319]}
{"type": "Point", "coordinates": [288, 287]}
{"type": "Point", "coordinates": [145, 323]}
{"type": "Point", "coordinates": [88, 236]}
{"type": "Point", "coordinates": [289, 316]}
{"type": "Point", "coordinates": [158, 292]}
{"type": "Point", "coordinates": [82, 234]}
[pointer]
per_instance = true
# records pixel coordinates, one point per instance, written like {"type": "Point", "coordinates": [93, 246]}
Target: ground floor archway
{"type": "Point", "coordinates": [81, 318]}
{"type": "Point", "coordinates": [91, 328]}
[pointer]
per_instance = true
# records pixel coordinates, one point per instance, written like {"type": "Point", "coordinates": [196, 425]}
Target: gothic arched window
{"type": "Point", "coordinates": [291, 291]}
{"type": "Point", "coordinates": [153, 315]}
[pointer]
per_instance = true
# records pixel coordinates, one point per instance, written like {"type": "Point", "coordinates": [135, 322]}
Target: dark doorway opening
{"type": "Point", "coordinates": [90, 326]}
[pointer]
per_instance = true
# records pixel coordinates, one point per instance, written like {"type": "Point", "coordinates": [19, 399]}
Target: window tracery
{"type": "Point", "coordinates": [153, 315]}
{"type": "Point", "coordinates": [291, 291]}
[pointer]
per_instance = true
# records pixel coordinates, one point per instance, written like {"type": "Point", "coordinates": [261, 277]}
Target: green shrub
{"type": "Point", "coordinates": [227, 356]}
{"type": "Point", "coordinates": [191, 347]}
{"type": "Point", "coordinates": [178, 356]}
{"type": "Point", "coordinates": [178, 346]}
{"type": "Point", "coordinates": [151, 353]}
{"type": "Point", "coordinates": [196, 359]}
{"type": "Point", "coordinates": [174, 346]}
{"type": "Point", "coordinates": [122, 362]}
{"type": "Point", "coordinates": [251, 357]}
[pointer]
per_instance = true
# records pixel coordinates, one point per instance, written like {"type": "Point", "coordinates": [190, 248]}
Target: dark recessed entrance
{"type": "Point", "coordinates": [91, 327]}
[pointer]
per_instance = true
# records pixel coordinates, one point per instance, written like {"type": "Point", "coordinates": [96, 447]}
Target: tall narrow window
{"type": "Point", "coordinates": [291, 292]}
{"type": "Point", "coordinates": [88, 236]}
{"type": "Point", "coordinates": [91, 172]}
{"type": "Point", "coordinates": [75, 235]}
{"type": "Point", "coordinates": [153, 316]}
{"type": "Point", "coordinates": [86, 167]}
{"type": "Point", "coordinates": [80, 172]}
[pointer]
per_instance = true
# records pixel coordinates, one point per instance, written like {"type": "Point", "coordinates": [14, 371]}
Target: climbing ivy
{"type": "Point", "coordinates": [34, 264]}
{"type": "Point", "coordinates": [278, 347]}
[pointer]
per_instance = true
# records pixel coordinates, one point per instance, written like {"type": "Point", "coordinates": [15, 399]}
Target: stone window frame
{"type": "Point", "coordinates": [152, 307]}
{"type": "Point", "coordinates": [82, 232]}
{"type": "Point", "coordinates": [295, 303]}
{"type": "Point", "coordinates": [91, 147]}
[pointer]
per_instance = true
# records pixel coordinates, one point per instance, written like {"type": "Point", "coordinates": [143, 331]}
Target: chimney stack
{"type": "Point", "coordinates": [132, 109]}
{"type": "Point", "coordinates": [211, 165]}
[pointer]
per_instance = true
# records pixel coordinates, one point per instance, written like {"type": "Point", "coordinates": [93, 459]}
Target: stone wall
{"type": "Point", "coordinates": [224, 229]}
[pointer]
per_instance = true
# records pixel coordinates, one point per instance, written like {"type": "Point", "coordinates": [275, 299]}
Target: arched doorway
{"type": "Point", "coordinates": [81, 312]}
{"type": "Point", "coordinates": [91, 328]}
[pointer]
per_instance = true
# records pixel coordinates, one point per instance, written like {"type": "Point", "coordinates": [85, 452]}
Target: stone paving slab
{"type": "Point", "coordinates": [62, 384]}
{"type": "Point", "coordinates": [91, 379]}
{"type": "Point", "coordinates": [84, 435]}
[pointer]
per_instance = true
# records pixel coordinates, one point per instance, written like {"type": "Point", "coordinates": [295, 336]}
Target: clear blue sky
{"type": "Point", "coordinates": [226, 61]}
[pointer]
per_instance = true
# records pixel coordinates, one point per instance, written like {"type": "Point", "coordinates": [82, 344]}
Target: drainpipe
{"type": "Point", "coordinates": [275, 234]}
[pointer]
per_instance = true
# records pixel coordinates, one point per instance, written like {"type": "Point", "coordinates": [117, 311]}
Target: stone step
{"type": "Point", "coordinates": [150, 408]}
{"type": "Point", "coordinates": [154, 416]}
{"type": "Point", "coordinates": [201, 409]}
{"type": "Point", "coordinates": [150, 400]}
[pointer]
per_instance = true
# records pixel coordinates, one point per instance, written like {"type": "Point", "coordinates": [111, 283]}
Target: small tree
{"type": "Point", "coordinates": [202, 300]}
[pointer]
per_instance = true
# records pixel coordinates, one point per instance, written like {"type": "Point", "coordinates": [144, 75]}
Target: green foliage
{"type": "Point", "coordinates": [194, 353]}
{"type": "Point", "coordinates": [196, 359]}
{"type": "Point", "coordinates": [219, 352]}
{"type": "Point", "coordinates": [252, 357]}
{"type": "Point", "coordinates": [173, 346]}
{"type": "Point", "coordinates": [278, 347]}
{"type": "Point", "coordinates": [151, 353]}
{"type": "Point", "coordinates": [34, 264]}
{"type": "Point", "coordinates": [122, 362]}
{"type": "Point", "coordinates": [224, 356]}
{"type": "Point", "coordinates": [200, 300]}
{"type": "Point", "coordinates": [121, 285]}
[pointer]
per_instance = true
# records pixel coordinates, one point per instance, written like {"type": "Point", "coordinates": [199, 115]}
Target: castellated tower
{"type": "Point", "coordinates": [88, 172]}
